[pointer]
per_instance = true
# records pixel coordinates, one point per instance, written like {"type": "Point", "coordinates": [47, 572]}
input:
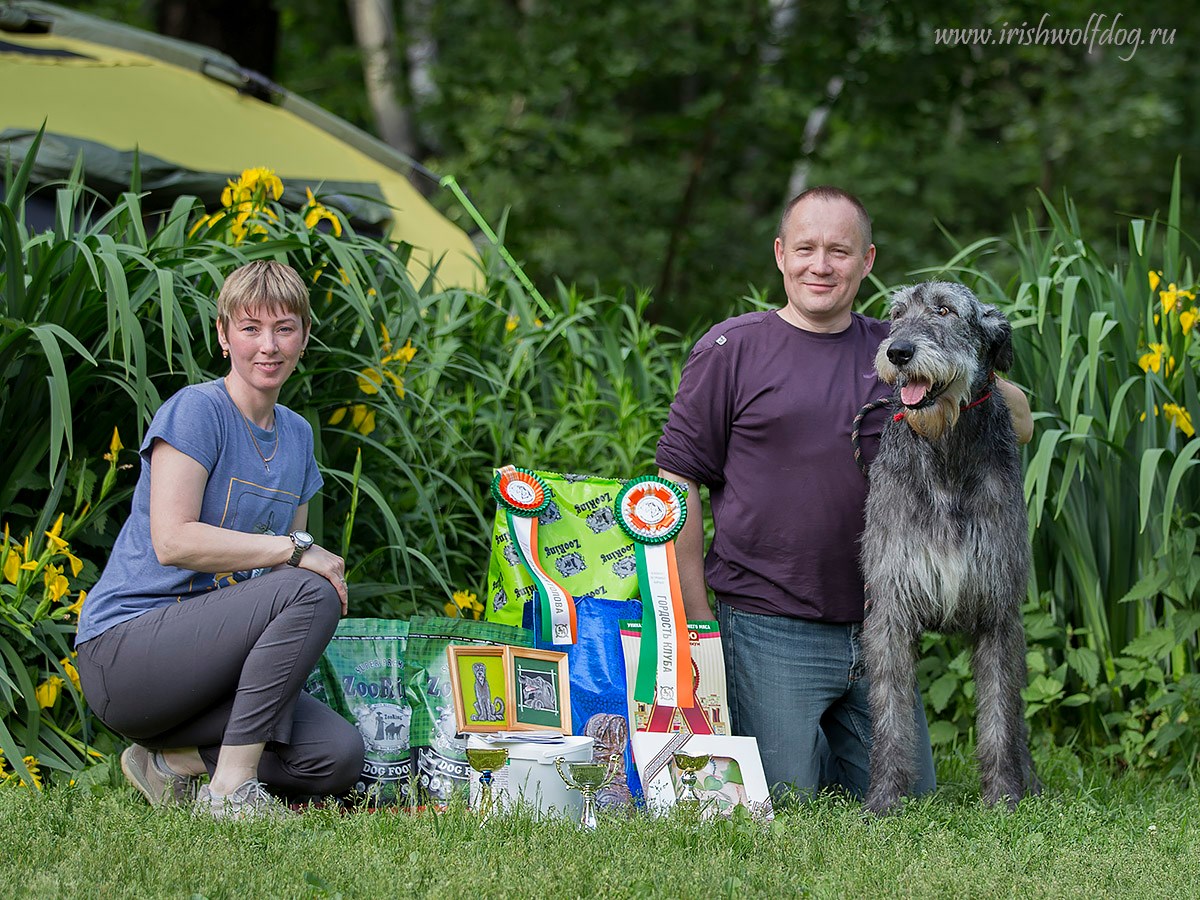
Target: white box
{"type": "Point", "coordinates": [530, 776]}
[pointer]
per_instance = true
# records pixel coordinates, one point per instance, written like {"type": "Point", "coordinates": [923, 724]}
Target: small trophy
{"type": "Point", "coordinates": [485, 761]}
{"type": "Point", "coordinates": [689, 766]}
{"type": "Point", "coordinates": [588, 778]}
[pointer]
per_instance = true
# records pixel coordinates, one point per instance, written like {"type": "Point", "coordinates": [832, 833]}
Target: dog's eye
{"type": "Point", "coordinates": [942, 310]}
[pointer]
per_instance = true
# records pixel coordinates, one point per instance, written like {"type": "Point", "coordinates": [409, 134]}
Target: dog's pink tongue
{"type": "Point", "coordinates": [913, 392]}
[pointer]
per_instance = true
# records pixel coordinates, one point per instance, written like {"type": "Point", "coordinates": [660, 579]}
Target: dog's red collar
{"type": "Point", "coordinates": [991, 380]}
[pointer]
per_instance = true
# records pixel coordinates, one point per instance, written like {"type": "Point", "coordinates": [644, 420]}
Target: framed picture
{"type": "Point", "coordinates": [539, 693]}
{"type": "Point", "coordinates": [478, 678]}
{"type": "Point", "coordinates": [731, 776]}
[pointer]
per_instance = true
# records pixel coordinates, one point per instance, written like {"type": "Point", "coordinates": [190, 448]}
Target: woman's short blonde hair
{"type": "Point", "coordinates": [267, 284]}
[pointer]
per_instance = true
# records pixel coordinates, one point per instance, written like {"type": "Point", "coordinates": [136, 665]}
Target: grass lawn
{"type": "Point", "coordinates": [1090, 835]}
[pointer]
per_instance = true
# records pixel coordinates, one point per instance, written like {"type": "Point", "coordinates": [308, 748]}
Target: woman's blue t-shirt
{"type": "Point", "coordinates": [241, 494]}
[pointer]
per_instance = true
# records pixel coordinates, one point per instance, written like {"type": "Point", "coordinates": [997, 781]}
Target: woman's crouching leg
{"type": "Point", "coordinates": [323, 756]}
{"type": "Point", "coordinates": [306, 609]}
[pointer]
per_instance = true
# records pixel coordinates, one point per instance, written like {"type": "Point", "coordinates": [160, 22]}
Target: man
{"type": "Point", "coordinates": [763, 417]}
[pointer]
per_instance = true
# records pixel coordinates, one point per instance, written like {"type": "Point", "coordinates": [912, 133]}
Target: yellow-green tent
{"type": "Point", "coordinates": [195, 118]}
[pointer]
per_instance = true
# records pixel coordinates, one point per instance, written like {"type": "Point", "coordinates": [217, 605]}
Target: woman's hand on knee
{"type": "Point", "coordinates": [328, 565]}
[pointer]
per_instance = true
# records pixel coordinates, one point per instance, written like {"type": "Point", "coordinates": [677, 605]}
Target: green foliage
{"type": "Point", "coordinates": [43, 719]}
{"type": "Point", "coordinates": [416, 394]}
{"type": "Point", "coordinates": [413, 394]}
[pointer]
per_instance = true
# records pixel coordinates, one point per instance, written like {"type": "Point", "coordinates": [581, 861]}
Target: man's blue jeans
{"type": "Point", "coordinates": [800, 687]}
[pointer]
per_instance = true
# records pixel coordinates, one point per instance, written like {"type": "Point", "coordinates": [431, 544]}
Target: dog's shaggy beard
{"type": "Point", "coordinates": [935, 417]}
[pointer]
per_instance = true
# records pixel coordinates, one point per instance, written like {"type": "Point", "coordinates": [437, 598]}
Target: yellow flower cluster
{"type": "Point", "coordinates": [10, 779]}
{"type": "Point", "coordinates": [391, 368]}
{"type": "Point", "coordinates": [245, 201]}
{"type": "Point", "coordinates": [465, 605]}
{"type": "Point", "coordinates": [18, 557]}
{"type": "Point", "coordinates": [511, 323]}
{"type": "Point", "coordinates": [1176, 300]}
{"type": "Point", "coordinates": [1178, 305]}
{"type": "Point", "coordinates": [1178, 416]}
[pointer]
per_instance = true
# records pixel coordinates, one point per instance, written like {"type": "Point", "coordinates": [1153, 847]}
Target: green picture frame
{"type": "Point", "coordinates": [539, 697]}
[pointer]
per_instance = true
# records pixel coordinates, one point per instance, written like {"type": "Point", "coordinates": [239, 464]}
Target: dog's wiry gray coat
{"type": "Point", "coordinates": [945, 546]}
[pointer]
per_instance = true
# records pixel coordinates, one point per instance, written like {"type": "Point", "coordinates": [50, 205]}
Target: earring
{"type": "Point", "coordinates": [225, 353]}
{"type": "Point", "coordinates": [303, 350]}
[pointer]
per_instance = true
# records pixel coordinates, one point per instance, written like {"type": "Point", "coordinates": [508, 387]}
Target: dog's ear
{"type": "Point", "coordinates": [997, 335]}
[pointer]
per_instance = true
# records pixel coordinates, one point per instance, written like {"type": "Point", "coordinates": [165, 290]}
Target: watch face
{"type": "Point", "coordinates": [302, 539]}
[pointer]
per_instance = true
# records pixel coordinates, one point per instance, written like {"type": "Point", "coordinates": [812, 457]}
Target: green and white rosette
{"type": "Point", "coordinates": [523, 495]}
{"type": "Point", "coordinates": [652, 511]}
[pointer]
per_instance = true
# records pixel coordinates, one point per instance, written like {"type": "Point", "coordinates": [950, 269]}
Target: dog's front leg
{"type": "Point", "coordinates": [889, 649]}
{"type": "Point", "coordinates": [1002, 744]}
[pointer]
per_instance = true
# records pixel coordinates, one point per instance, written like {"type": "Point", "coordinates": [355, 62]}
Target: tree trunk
{"type": "Point", "coordinates": [814, 127]}
{"type": "Point", "coordinates": [375, 33]}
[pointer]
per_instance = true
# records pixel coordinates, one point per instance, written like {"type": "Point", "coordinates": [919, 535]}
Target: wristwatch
{"type": "Point", "coordinates": [302, 541]}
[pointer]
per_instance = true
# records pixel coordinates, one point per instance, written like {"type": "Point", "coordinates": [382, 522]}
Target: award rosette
{"type": "Point", "coordinates": [522, 495]}
{"type": "Point", "coordinates": [652, 511]}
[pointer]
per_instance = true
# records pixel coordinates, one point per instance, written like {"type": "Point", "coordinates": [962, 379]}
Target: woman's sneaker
{"type": "Point", "coordinates": [146, 771]}
{"type": "Point", "coordinates": [249, 800]}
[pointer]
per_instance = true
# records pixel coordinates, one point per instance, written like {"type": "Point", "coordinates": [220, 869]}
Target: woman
{"type": "Point", "coordinates": [216, 604]}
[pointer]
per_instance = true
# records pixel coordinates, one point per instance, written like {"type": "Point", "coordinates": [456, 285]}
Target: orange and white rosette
{"type": "Point", "coordinates": [652, 510]}
{"type": "Point", "coordinates": [523, 495]}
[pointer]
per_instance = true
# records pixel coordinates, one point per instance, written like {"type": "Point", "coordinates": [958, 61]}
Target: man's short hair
{"type": "Point", "coordinates": [267, 284]}
{"type": "Point", "coordinates": [828, 192]}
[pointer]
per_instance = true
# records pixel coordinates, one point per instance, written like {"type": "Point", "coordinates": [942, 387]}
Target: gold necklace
{"type": "Point", "coordinates": [257, 449]}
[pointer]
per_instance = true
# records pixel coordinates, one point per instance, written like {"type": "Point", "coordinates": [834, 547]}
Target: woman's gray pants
{"type": "Point", "coordinates": [228, 667]}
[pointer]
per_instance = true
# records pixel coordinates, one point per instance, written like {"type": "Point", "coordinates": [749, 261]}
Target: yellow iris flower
{"type": "Point", "coordinates": [317, 211]}
{"type": "Point", "coordinates": [32, 765]}
{"type": "Point", "coordinates": [1172, 298]}
{"type": "Point", "coordinates": [56, 582]}
{"type": "Point", "coordinates": [464, 602]}
{"type": "Point", "coordinates": [12, 558]}
{"type": "Point", "coordinates": [1188, 318]}
{"type": "Point", "coordinates": [77, 607]}
{"type": "Point", "coordinates": [48, 691]}
{"type": "Point", "coordinates": [72, 672]}
{"type": "Point", "coordinates": [362, 417]}
{"type": "Point", "coordinates": [1153, 361]}
{"type": "Point", "coordinates": [405, 354]}
{"type": "Point", "coordinates": [114, 447]}
{"type": "Point", "coordinates": [1179, 418]}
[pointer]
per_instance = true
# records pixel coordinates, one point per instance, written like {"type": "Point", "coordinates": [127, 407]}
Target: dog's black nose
{"type": "Point", "coordinates": [900, 352]}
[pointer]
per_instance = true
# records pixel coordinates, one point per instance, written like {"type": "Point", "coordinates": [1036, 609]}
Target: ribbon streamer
{"type": "Point", "coordinates": [522, 495]}
{"type": "Point", "coordinates": [652, 511]}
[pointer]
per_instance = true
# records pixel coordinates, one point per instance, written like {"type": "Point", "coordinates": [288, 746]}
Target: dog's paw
{"type": "Point", "coordinates": [881, 805]}
{"type": "Point", "coordinates": [1009, 799]}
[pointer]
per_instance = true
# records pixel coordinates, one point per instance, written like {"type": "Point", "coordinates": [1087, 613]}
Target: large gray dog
{"type": "Point", "coordinates": [945, 546]}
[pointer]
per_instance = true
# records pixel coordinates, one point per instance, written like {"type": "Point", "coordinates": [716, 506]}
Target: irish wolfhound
{"type": "Point", "coordinates": [945, 546]}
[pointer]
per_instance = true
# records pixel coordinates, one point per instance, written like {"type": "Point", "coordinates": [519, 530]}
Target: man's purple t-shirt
{"type": "Point", "coordinates": [763, 417]}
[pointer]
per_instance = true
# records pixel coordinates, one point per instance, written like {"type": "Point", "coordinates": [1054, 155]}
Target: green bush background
{"type": "Point", "coordinates": [416, 393]}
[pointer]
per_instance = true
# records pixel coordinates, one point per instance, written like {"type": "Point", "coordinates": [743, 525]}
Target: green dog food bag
{"type": "Point", "coordinates": [361, 675]}
{"type": "Point", "coordinates": [439, 757]}
{"type": "Point", "coordinates": [579, 545]}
